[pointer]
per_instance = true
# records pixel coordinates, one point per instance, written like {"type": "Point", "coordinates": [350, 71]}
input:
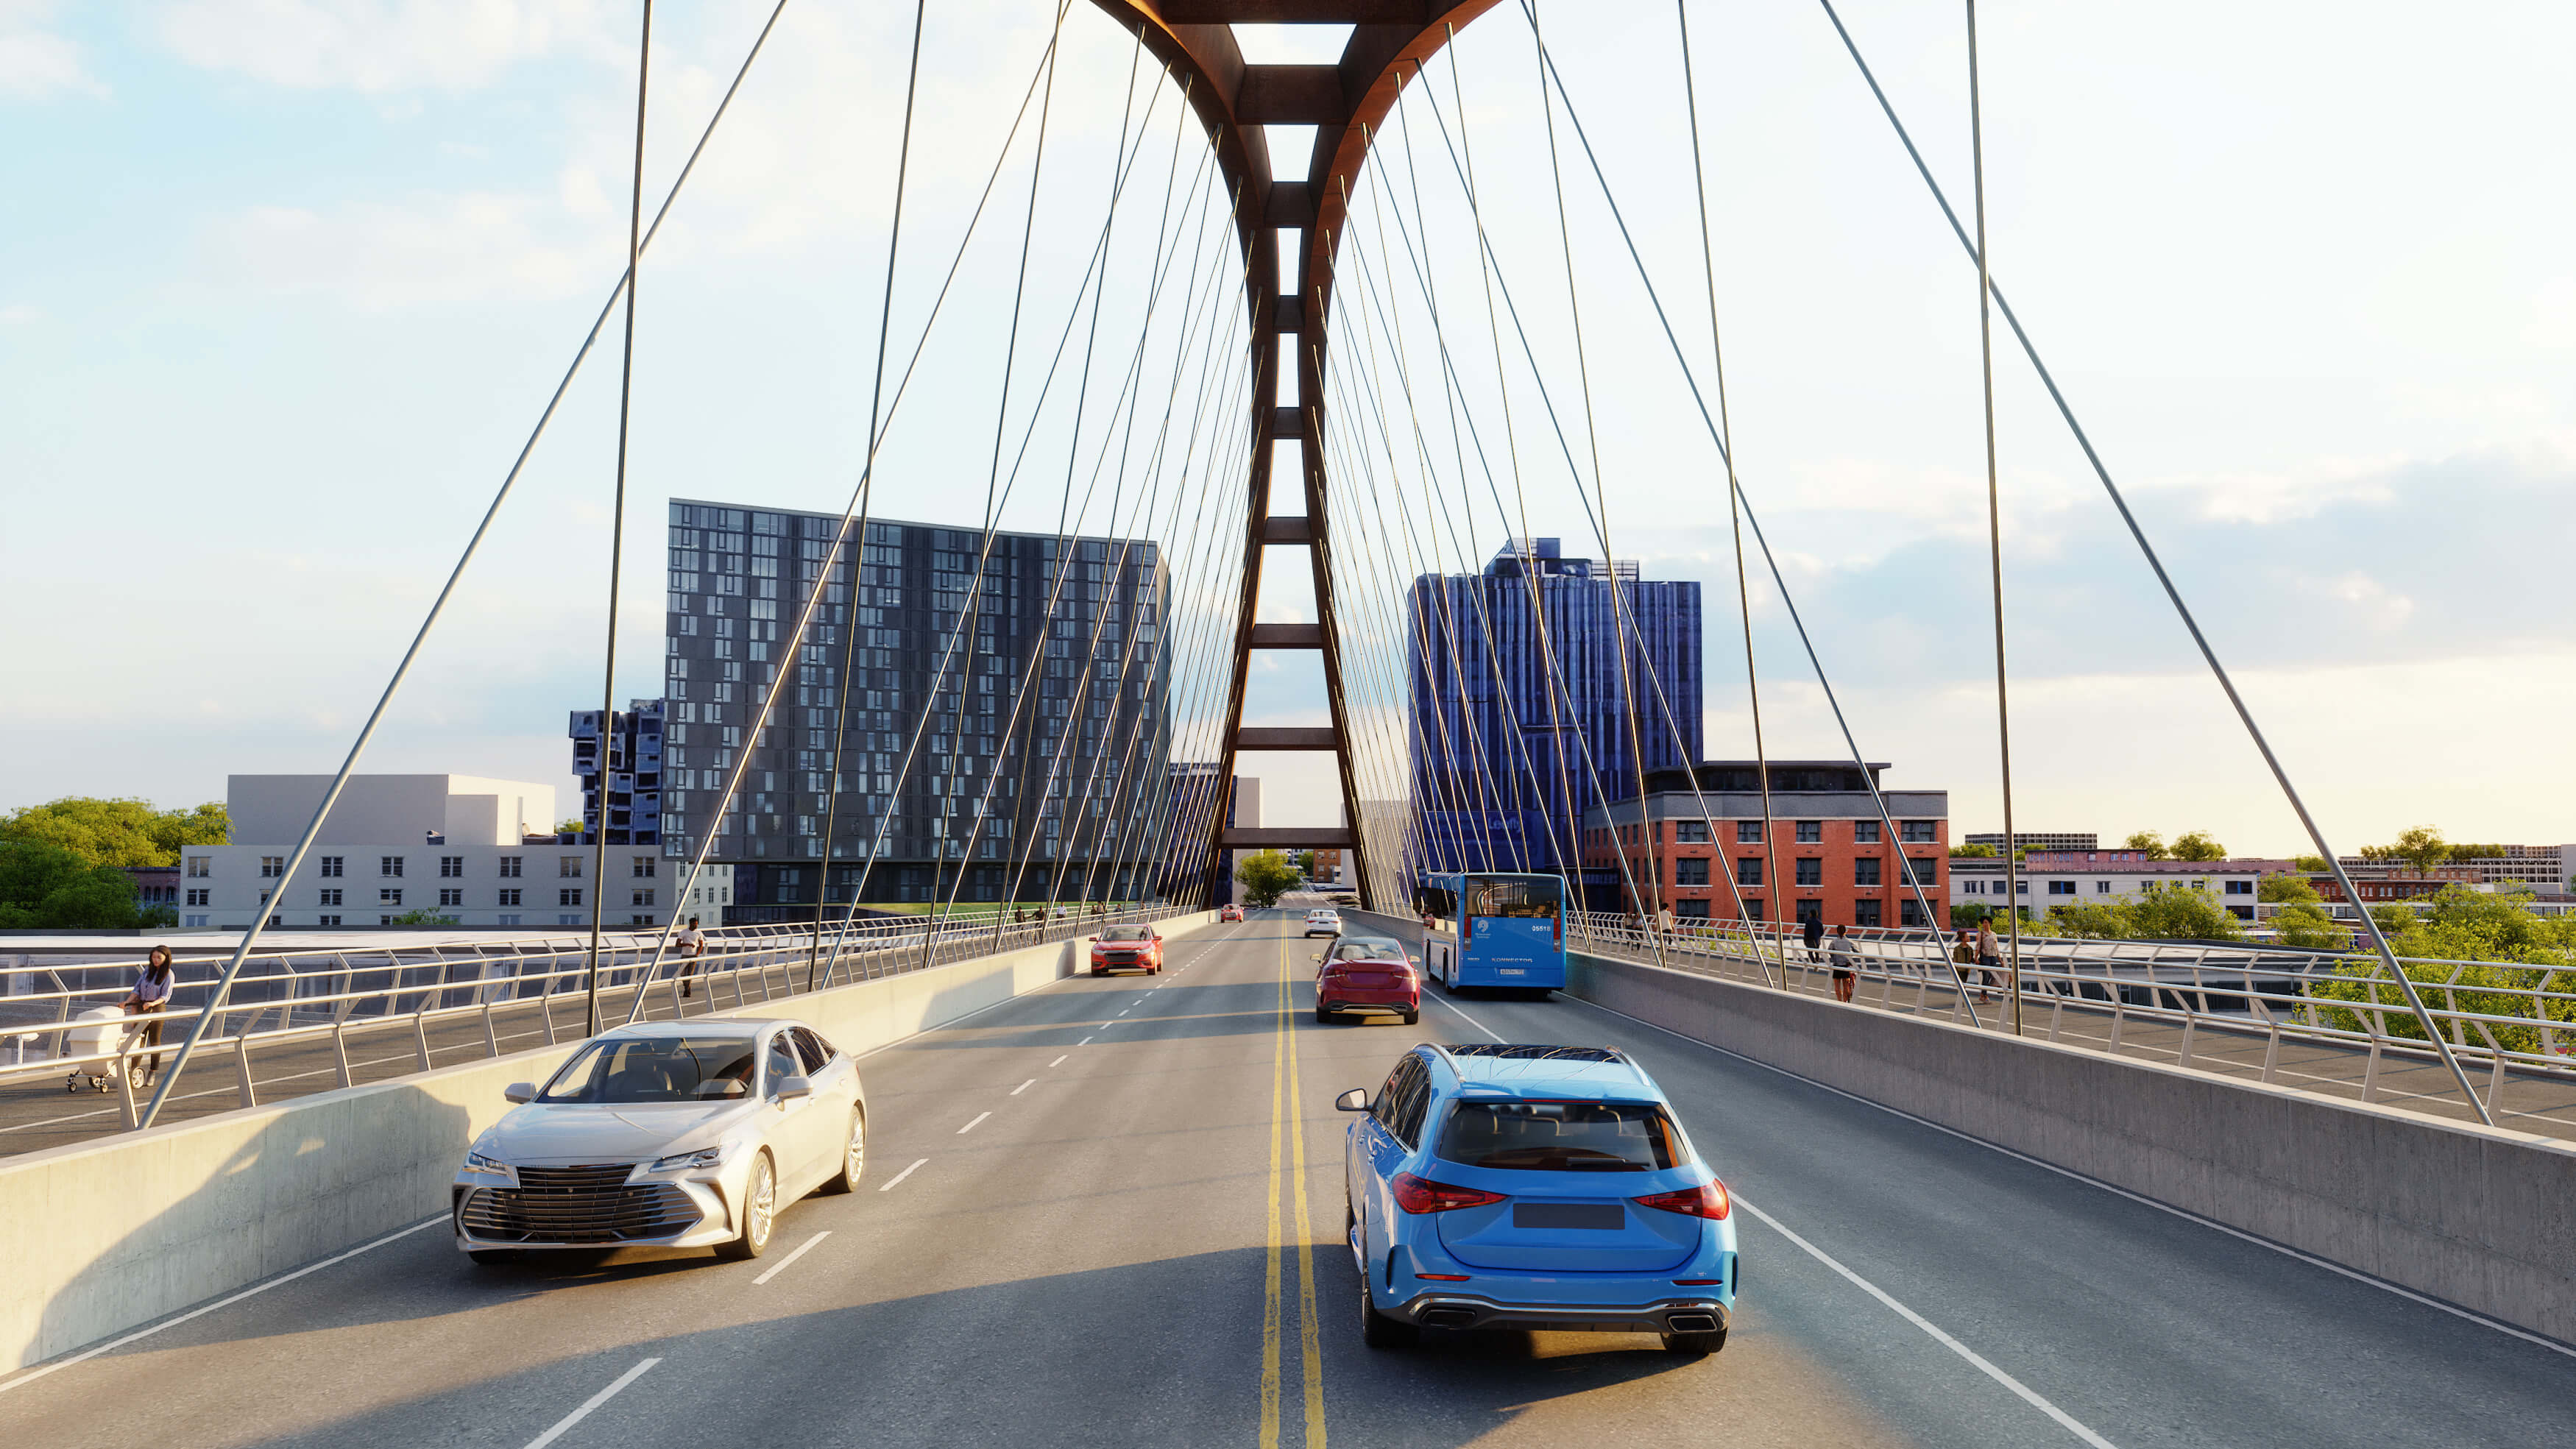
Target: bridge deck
{"type": "Point", "coordinates": [1093, 1263]}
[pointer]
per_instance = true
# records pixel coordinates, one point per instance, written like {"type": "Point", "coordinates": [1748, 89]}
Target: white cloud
{"type": "Point", "coordinates": [36, 63]}
{"type": "Point", "coordinates": [378, 257]}
{"type": "Point", "coordinates": [2286, 495]}
{"type": "Point", "coordinates": [380, 45]}
{"type": "Point", "coordinates": [2371, 601]}
{"type": "Point", "coordinates": [18, 314]}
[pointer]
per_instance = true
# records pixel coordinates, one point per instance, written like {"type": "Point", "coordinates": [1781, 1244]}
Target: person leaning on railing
{"type": "Point", "coordinates": [149, 998]}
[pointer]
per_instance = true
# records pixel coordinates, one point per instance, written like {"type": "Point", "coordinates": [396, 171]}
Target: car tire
{"type": "Point", "coordinates": [492, 1257]}
{"type": "Point", "coordinates": [1696, 1345]}
{"type": "Point", "coordinates": [759, 1213]}
{"type": "Point", "coordinates": [854, 1157]}
{"type": "Point", "coordinates": [1095, 971]}
{"type": "Point", "coordinates": [1376, 1329]}
{"type": "Point", "coordinates": [1323, 1016]}
{"type": "Point", "coordinates": [1413, 1017]}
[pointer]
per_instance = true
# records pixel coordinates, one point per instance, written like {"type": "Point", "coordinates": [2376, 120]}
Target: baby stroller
{"type": "Point", "coordinates": [102, 1029]}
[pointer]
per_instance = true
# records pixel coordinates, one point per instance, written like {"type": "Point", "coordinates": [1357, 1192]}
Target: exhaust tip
{"type": "Point", "coordinates": [1691, 1323]}
{"type": "Point", "coordinates": [1447, 1317]}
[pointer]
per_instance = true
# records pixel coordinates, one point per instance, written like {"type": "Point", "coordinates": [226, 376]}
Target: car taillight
{"type": "Point", "coordinates": [1709, 1201]}
{"type": "Point", "coordinates": [1421, 1195]}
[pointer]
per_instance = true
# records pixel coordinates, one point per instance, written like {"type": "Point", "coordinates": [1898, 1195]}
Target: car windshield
{"type": "Point", "coordinates": [1560, 1136]}
{"type": "Point", "coordinates": [1370, 951]}
{"type": "Point", "coordinates": [655, 1069]}
{"type": "Point", "coordinates": [1125, 933]}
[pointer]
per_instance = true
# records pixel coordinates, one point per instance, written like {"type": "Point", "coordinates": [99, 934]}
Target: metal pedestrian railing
{"type": "Point", "coordinates": [340, 998]}
{"type": "Point", "coordinates": [2503, 1017]}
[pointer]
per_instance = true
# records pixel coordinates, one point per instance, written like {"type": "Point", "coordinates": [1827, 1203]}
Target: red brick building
{"type": "Point", "coordinates": [1830, 855]}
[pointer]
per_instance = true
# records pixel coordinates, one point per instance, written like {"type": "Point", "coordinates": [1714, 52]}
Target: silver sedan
{"type": "Point", "coordinates": [666, 1134]}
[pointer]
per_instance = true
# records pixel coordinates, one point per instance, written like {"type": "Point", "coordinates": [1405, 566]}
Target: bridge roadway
{"type": "Point", "coordinates": [1082, 1224]}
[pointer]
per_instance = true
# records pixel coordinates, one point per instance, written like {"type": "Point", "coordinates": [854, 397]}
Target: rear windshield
{"type": "Point", "coordinates": [655, 1069]}
{"type": "Point", "coordinates": [1528, 897]}
{"type": "Point", "coordinates": [1560, 1136]}
{"type": "Point", "coordinates": [1369, 951]}
{"type": "Point", "coordinates": [1126, 933]}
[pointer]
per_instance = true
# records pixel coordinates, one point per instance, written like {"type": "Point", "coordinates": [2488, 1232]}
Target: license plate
{"type": "Point", "coordinates": [1513, 971]}
{"type": "Point", "coordinates": [1600, 1216]}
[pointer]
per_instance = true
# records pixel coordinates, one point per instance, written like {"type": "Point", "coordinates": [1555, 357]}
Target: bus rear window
{"type": "Point", "coordinates": [1560, 1136]}
{"type": "Point", "coordinates": [1525, 899]}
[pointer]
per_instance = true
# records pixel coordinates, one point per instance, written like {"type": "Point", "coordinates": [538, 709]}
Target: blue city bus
{"type": "Point", "coordinates": [1510, 931]}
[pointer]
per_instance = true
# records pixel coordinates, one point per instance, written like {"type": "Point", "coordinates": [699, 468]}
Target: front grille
{"type": "Point", "coordinates": [588, 1204]}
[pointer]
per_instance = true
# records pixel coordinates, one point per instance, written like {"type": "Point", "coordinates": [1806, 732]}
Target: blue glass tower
{"type": "Point", "coordinates": [1504, 762]}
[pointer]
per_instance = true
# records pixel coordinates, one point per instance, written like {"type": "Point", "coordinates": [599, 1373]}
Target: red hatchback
{"type": "Point", "coordinates": [1230, 913]}
{"type": "Point", "coordinates": [1127, 948]}
{"type": "Point", "coordinates": [1368, 975]}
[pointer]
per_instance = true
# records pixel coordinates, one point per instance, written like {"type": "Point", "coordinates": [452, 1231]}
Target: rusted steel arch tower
{"type": "Point", "coordinates": [1345, 102]}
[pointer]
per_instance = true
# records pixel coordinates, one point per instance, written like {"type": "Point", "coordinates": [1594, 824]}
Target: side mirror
{"type": "Point", "coordinates": [519, 1092]}
{"type": "Point", "coordinates": [790, 1088]}
{"type": "Point", "coordinates": [1354, 1100]}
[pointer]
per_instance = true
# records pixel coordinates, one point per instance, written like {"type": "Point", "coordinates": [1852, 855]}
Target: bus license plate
{"type": "Point", "coordinates": [1515, 970]}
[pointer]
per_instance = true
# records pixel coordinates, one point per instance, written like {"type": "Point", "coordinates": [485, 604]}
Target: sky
{"type": "Point", "coordinates": [286, 283]}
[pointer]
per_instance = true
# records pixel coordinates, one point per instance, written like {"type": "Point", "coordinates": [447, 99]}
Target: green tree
{"type": "Point", "coordinates": [2148, 841]}
{"type": "Point", "coordinates": [117, 832]}
{"type": "Point", "coordinates": [2286, 889]}
{"type": "Point", "coordinates": [2181, 914]}
{"type": "Point", "coordinates": [2507, 951]}
{"type": "Point", "coordinates": [1306, 863]}
{"type": "Point", "coordinates": [2088, 920]}
{"type": "Point", "coordinates": [45, 887]}
{"type": "Point", "coordinates": [1969, 915]}
{"type": "Point", "coordinates": [2420, 846]}
{"type": "Point", "coordinates": [424, 916]}
{"type": "Point", "coordinates": [2310, 862]}
{"type": "Point", "coordinates": [2196, 845]}
{"type": "Point", "coordinates": [1972, 852]}
{"type": "Point", "coordinates": [2395, 919]}
{"type": "Point", "coordinates": [568, 827]}
{"type": "Point", "coordinates": [1265, 875]}
{"type": "Point", "coordinates": [2305, 926]}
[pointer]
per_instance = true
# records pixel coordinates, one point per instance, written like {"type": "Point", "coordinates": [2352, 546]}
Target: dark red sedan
{"type": "Point", "coordinates": [1368, 976]}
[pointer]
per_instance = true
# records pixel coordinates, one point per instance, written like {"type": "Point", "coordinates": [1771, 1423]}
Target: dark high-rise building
{"type": "Point", "coordinates": [1072, 787]}
{"type": "Point", "coordinates": [1505, 762]}
{"type": "Point", "coordinates": [627, 785]}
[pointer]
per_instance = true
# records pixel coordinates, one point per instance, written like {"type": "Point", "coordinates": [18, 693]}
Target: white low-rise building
{"type": "Point", "coordinates": [474, 851]}
{"type": "Point", "coordinates": [2067, 877]}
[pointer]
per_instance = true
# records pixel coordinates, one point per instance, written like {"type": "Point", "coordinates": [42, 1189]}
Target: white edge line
{"type": "Point", "coordinates": [971, 1126]}
{"type": "Point", "coordinates": [593, 1402]}
{"type": "Point", "coordinates": [2141, 1199]}
{"type": "Point", "coordinates": [1480, 1026]}
{"type": "Point", "coordinates": [2063, 1418]}
{"type": "Point", "coordinates": [113, 1344]}
{"type": "Point", "coordinates": [1024, 1086]}
{"type": "Point", "coordinates": [1059, 1061]}
{"type": "Point", "coordinates": [783, 1264]}
{"type": "Point", "coordinates": [900, 1176]}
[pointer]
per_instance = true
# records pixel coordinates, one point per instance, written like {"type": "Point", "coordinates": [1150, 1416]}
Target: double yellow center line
{"type": "Point", "coordinates": [1287, 1120]}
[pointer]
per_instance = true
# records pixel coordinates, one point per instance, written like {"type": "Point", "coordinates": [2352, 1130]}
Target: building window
{"type": "Point", "coordinates": [1866, 913]}
{"type": "Point", "coordinates": [509, 920]}
{"type": "Point", "coordinates": [644, 868]}
{"type": "Point", "coordinates": [200, 866]}
{"type": "Point", "coordinates": [332, 897]}
{"type": "Point", "coordinates": [451, 897]}
{"type": "Point", "coordinates": [1811, 832]}
{"type": "Point", "coordinates": [1917, 832]}
{"type": "Point", "coordinates": [1865, 832]}
{"type": "Point", "coordinates": [1691, 910]}
{"type": "Point", "coordinates": [389, 896]}
{"type": "Point", "coordinates": [1748, 832]}
{"type": "Point", "coordinates": [1972, 887]}
{"type": "Point", "coordinates": [390, 865]}
{"type": "Point", "coordinates": [1811, 871]}
{"type": "Point", "coordinates": [510, 897]}
{"type": "Point", "coordinates": [194, 921]}
{"type": "Point", "coordinates": [271, 866]}
{"type": "Point", "coordinates": [570, 896]}
{"type": "Point", "coordinates": [1748, 871]}
{"type": "Point", "coordinates": [331, 866]}
{"type": "Point", "coordinates": [1690, 872]}
{"type": "Point", "coordinates": [644, 898]}
{"type": "Point", "coordinates": [510, 866]}
{"type": "Point", "coordinates": [1925, 869]}
{"type": "Point", "coordinates": [2240, 888]}
{"type": "Point", "coordinates": [2021, 887]}
{"type": "Point", "coordinates": [326, 921]}
{"type": "Point", "coordinates": [1865, 871]}
{"type": "Point", "coordinates": [1690, 832]}
{"type": "Point", "coordinates": [197, 897]}
{"type": "Point", "coordinates": [1908, 913]}
{"type": "Point", "coordinates": [567, 919]}
{"type": "Point", "coordinates": [2061, 887]}
{"type": "Point", "coordinates": [452, 866]}
{"type": "Point", "coordinates": [568, 867]}
{"type": "Point", "coordinates": [2101, 887]}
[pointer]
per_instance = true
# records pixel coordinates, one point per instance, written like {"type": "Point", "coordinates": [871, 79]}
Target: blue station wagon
{"type": "Point", "coordinates": [1533, 1187]}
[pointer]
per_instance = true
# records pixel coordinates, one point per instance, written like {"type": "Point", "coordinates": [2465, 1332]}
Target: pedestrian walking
{"type": "Point", "coordinates": [693, 944]}
{"type": "Point", "coordinates": [1845, 954]}
{"type": "Point", "coordinates": [149, 998]}
{"type": "Point", "coordinates": [1812, 932]}
{"type": "Point", "coordinates": [1964, 955]}
{"type": "Point", "coordinates": [1989, 956]}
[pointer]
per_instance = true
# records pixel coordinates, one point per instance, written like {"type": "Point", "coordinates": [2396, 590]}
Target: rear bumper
{"type": "Point", "coordinates": [1468, 1310]}
{"type": "Point", "coordinates": [1388, 1000]}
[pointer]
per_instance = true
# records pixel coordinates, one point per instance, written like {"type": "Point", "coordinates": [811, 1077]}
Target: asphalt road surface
{"type": "Point", "coordinates": [1108, 1213]}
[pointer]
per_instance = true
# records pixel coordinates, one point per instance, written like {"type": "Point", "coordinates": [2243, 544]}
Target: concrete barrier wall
{"type": "Point", "coordinates": [2483, 1218]}
{"type": "Point", "coordinates": [102, 1237]}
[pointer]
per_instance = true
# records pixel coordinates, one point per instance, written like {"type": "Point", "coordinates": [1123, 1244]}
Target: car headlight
{"type": "Point", "coordinates": [477, 1162]}
{"type": "Point", "coordinates": [682, 1162]}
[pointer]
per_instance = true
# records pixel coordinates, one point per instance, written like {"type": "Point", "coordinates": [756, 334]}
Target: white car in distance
{"type": "Point", "coordinates": [679, 1134]}
{"type": "Point", "coordinates": [1323, 923]}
